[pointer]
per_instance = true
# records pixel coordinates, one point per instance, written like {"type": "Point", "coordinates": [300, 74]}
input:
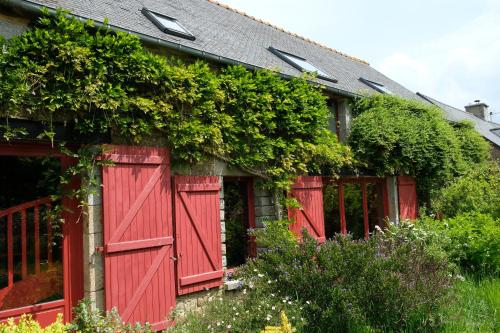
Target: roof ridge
{"type": "Point", "coordinates": [237, 11]}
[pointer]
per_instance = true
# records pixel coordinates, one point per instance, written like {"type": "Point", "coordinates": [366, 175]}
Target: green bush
{"type": "Point", "coordinates": [88, 320]}
{"type": "Point", "coordinates": [391, 282]}
{"type": "Point", "coordinates": [477, 191]}
{"type": "Point", "coordinates": [104, 81]}
{"type": "Point", "coordinates": [394, 136]}
{"type": "Point", "coordinates": [472, 240]}
{"type": "Point", "coordinates": [27, 325]}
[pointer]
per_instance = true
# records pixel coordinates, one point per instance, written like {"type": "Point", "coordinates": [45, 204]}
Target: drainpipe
{"type": "Point", "coordinates": [34, 9]}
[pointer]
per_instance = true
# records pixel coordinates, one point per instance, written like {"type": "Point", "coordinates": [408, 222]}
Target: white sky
{"type": "Point", "coordinates": [447, 49]}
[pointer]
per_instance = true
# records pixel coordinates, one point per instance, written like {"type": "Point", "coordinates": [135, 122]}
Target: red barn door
{"type": "Point", "coordinates": [198, 233]}
{"type": "Point", "coordinates": [309, 193]}
{"type": "Point", "coordinates": [408, 206]}
{"type": "Point", "coordinates": [138, 235]}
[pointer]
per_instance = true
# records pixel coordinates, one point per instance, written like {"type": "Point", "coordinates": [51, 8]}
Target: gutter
{"type": "Point", "coordinates": [34, 9]}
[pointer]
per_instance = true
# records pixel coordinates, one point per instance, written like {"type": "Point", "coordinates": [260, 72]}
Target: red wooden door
{"type": "Point", "coordinates": [138, 235]}
{"type": "Point", "coordinates": [197, 233]}
{"type": "Point", "coordinates": [408, 206]}
{"type": "Point", "coordinates": [309, 193]}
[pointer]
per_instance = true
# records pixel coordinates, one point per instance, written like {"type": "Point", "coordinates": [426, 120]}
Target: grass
{"type": "Point", "coordinates": [476, 308]}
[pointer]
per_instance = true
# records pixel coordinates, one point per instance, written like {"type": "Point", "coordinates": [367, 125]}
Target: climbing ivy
{"type": "Point", "coordinates": [394, 136]}
{"type": "Point", "coordinates": [105, 81]}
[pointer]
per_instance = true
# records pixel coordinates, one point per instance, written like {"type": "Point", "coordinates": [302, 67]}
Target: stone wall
{"type": "Point", "coordinates": [11, 26]}
{"type": "Point", "coordinates": [265, 208]}
{"type": "Point", "coordinates": [93, 265]}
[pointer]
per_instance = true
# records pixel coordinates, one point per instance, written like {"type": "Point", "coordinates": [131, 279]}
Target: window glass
{"type": "Point", "coordinates": [353, 202]}
{"type": "Point", "coordinates": [331, 210]}
{"type": "Point", "coordinates": [332, 119]}
{"type": "Point", "coordinates": [375, 199]}
{"type": "Point", "coordinates": [171, 24]}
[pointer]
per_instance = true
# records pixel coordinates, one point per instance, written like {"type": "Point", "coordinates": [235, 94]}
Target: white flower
{"type": "Point", "coordinates": [274, 308]}
{"type": "Point", "coordinates": [218, 323]}
{"type": "Point", "coordinates": [260, 275]}
{"type": "Point", "coordinates": [228, 326]}
{"type": "Point", "coordinates": [307, 302]}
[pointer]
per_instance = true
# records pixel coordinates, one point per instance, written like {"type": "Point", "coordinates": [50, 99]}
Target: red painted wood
{"type": "Point", "coordinates": [198, 233]}
{"type": "Point", "coordinates": [309, 193]}
{"type": "Point", "coordinates": [24, 206]}
{"type": "Point", "coordinates": [72, 246]}
{"type": "Point", "coordinates": [10, 252]}
{"type": "Point", "coordinates": [24, 246]}
{"type": "Point", "coordinates": [46, 313]}
{"type": "Point", "coordinates": [408, 204]}
{"type": "Point", "coordinates": [138, 235]}
{"type": "Point", "coordinates": [365, 211]}
{"type": "Point", "coordinates": [343, 223]}
{"type": "Point", "coordinates": [37, 238]}
{"type": "Point", "coordinates": [138, 244]}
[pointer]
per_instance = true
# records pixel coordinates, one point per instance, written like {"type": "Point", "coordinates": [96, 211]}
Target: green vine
{"type": "Point", "coordinates": [63, 70]}
{"type": "Point", "coordinates": [394, 136]}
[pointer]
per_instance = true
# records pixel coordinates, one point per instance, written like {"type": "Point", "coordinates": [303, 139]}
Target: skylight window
{"type": "Point", "coordinates": [168, 25]}
{"type": "Point", "coordinates": [377, 86]}
{"type": "Point", "coordinates": [301, 64]}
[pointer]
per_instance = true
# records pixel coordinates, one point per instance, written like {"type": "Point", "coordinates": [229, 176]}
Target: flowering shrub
{"type": "Point", "coordinates": [394, 282]}
{"type": "Point", "coordinates": [248, 311]}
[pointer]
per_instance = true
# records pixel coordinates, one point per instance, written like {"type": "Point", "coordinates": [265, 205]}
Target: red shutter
{"type": "Point", "coordinates": [309, 193]}
{"type": "Point", "coordinates": [138, 235]}
{"type": "Point", "coordinates": [198, 233]}
{"type": "Point", "coordinates": [407, 189]}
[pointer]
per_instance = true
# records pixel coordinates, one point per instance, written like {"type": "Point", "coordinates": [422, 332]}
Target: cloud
{"type": "Point", "coordinates": [457, 67]}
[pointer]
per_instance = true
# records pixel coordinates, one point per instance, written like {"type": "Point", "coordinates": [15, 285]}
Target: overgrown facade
{"type": "Point", "coordinates": [157, 234]}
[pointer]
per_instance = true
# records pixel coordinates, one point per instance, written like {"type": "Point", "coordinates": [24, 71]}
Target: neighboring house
{"type": "Point", "coordinates": [157, 236]}
{"type": "Point", "coordinates": [476, 113]}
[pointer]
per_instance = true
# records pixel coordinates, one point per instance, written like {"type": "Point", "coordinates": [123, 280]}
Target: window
{"type": "Point", "coordinates": [301, 64]}
{"type": "Point", "coordinates": [355, 206]}
{"type": "Point", "coordinates": [496, 131]}
{"type": "Point", "coordinates": [333, 119]}
{"type": "Point", "coordinates": [168, 25]}
{"type": "Point", "coordinates": [377, 86]}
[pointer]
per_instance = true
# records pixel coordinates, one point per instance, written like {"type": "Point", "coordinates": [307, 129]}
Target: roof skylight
{"type": "Point", "coordinates": [168, 24]}
{"type": "Point", "coordinates": [377, 86]}
{"type": "Point", "coordinates": [301, 64]}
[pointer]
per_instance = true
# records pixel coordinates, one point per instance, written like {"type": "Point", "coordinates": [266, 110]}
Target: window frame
{"type": "Point", "coordinates": [152, 16]}
{"type": "Point", "coordinates": [282, 55]}
{"type": "Point", "coordinates": [377, 86]}
{"type": "Point", "coordinates": [362, 181]}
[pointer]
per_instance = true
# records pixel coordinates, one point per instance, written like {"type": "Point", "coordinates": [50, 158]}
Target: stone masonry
{"type": "Point", "coordinates": [92, 239]}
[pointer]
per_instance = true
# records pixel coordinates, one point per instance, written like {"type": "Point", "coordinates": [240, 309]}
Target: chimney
{"type": "Point", "coordinates": [478, 108]}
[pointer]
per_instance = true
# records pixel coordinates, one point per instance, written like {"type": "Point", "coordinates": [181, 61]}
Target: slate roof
{"type": "Point", "coordinates": [226, 32]}
{"type": "Point", "coordinates": [485, 128]}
